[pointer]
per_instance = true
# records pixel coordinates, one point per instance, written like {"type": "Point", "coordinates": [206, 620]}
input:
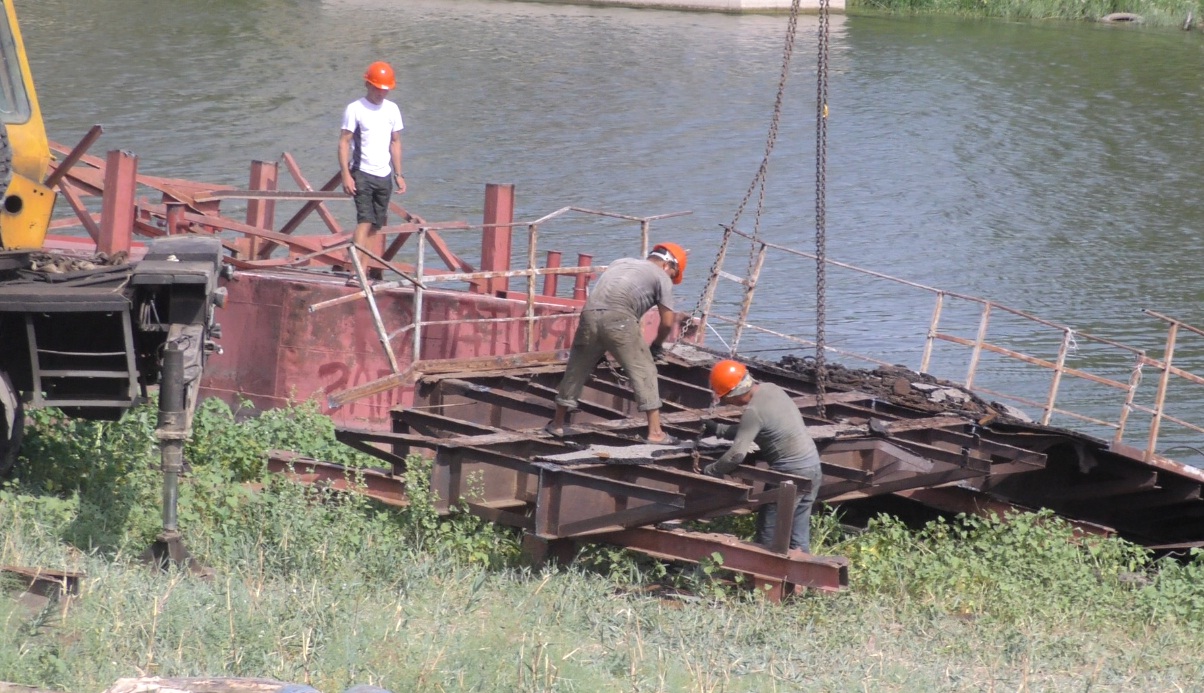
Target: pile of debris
{"type": "Point", "coordinates": [907, 388]}
{"type": "Point", "coordinates": [66, 263]}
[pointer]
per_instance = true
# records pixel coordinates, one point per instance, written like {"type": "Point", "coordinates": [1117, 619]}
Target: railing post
{"type": "Point", "coordinates": [644, 230]}
{"type": "Point", "coordinates": [496, 237]}
{"type": "Point", "coordinates": [582, 280]}
{"type": "Point", "coordinates": [983, 322]}
{"type": "Point", "coordinates": [1130, 395]}
{"type": "Point", "coordinates": [708, 294]}
{"type": "Point", "coordinates": [377, 321]}
{"type": "Point", "coordinates": [1160, 399]}
{"type": "Point", "coordinates": [261, 213]}
{"type": "Point", "coordinates": [174, 217]}
{"type": "Point", "coordinates": [933, 326]}
{"type": "Point", "coordinates": [550, 280]}
{"type": "Point", "coordinates": [1067, 337]}
{"type": "Point", "coordinates": [532, 236]}
{"type": "Point", "coordinates": [419, 263]}
{"type": "Point", "coordinates": [750, 287]}
{"type": "Point", "coordinates": [117, 210]}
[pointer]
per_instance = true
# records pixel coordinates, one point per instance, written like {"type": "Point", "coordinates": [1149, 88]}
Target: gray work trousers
{"type": "Point", "coordinates": [620, 334]}
{"type": "Point", "coordinates": [767, 515]}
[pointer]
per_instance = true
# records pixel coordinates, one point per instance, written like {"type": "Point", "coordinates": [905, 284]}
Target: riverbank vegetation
{"type": "Point", "coordinates": [1184, 14]}
{"type": "Point", "coordinates": [336, 590]}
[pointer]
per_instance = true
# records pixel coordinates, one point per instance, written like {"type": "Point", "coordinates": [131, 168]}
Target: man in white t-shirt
{"type": "Point", "coordinates": [370, 153]}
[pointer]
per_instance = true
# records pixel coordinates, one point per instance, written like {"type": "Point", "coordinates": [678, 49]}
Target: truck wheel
{"type": "Point", "coordinates": [12, 424]}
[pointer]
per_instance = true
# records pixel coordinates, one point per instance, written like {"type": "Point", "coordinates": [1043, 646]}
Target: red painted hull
{"type": "Point", "coordinates": [276, 352]}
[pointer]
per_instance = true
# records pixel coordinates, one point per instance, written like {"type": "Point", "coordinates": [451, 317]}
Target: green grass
{"type": "Point", "coordinates": [334, 591]}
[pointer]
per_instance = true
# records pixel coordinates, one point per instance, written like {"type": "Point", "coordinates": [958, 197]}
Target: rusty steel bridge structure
{"type": "Point", "coordinates": [466, 376]}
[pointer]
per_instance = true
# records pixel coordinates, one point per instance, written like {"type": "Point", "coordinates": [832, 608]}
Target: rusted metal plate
{"type": "Point", "coordinates": [45, 582]}
{"type": "Point", "coordinates": [374, 483]}
{"type": "Point", "coordinates": [821, 572]}
{"type": "Point", "coordinates": [600, 483]}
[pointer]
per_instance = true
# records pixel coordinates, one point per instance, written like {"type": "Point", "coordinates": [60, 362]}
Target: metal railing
{"type": "Point", "coordinates": [191, 207]}
{"type": "Point", "coordinates": [420, 280]}
{"type": "Point", "coordinates": [1124, 379]}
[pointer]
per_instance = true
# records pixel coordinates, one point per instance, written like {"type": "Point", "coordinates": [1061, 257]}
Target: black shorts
{"type": "Point", "coordinates": [372, 195]}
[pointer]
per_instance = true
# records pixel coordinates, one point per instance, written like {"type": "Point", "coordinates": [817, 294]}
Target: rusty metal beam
{"type": "Point", "coordinates": [45, 581]}
{"type": "Point", "coordinates": [580, 500]}
{"type": "Point", "coordinates": [896, 468]}
{"type": "Point", "coordinates": [529, 404]}
{"type": "Point", "coordinates": [521, 385]}
{"type": "Point", "coordinates": [381, 486]}
{"type": "Point", "coordinates": [426, 420]}
{"type": "Point", "coordinates": [819, 572]}
{"type": "Point", "coordinates": [117, 206]}
{"type": "Point", "coordinates": [503, 513]}
{"type": "Point", "coordinates": [1150, 502]}
{"type": "Point", "coordinates": [397, 460]}
{"type": "Point", "coordinates": [481, 477]}
{"type": "Point", "coordinates": [77, 152]}
{"type": "Point", "coordinates": [1089, 489]}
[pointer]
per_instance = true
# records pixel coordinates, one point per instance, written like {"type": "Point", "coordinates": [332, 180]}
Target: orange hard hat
{"type": "Point", "coordinates": [380, 75]}
{"type": "Point", "coordinates": [730, 379]}
{"type": "Point", "coordinates": [674, 255]}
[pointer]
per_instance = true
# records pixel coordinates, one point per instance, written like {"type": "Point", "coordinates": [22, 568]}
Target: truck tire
{"type": "Point", "coordinates": [12, 424]}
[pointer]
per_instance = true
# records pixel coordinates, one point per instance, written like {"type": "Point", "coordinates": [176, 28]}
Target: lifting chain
{"type": "Point", "coordinates": [703, 306]}
{"type": "Point", "coordinates": [706, 298]}
{"type": "Point", "coordinates": [821, 155]}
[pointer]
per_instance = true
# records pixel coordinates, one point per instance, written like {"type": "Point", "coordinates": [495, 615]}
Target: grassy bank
{"type": "Point", "coordinates": [1155, 13]}
{"type": "Point", "coordinates": [334, 591]}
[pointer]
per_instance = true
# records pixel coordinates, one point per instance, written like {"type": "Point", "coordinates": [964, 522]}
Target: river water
{"type": "Point", "coordinates": [1054, 168]}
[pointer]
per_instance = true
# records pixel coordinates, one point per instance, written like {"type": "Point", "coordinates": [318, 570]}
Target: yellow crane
{"type": "Point", "coordinates": [24, 148]}
{"type": "Point", "coordinates": [90, 339]}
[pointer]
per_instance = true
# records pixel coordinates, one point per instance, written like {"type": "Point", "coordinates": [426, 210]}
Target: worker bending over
{"type": "Point", "coordinates": [611, 322]}
{"type": "Point", "coordinates": [773, 422]}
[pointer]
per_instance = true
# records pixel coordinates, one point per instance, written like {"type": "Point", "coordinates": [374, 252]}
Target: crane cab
{"type": "Point", "coordinates": [24, 149]}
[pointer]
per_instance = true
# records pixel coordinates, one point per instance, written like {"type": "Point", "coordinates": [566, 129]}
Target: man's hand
{"type": "Point", "coordinates": [710, 428]}
{"type": "Point", "coordinates": [349, 184]}
{"type": "Point", "coordinates": [400, 180]}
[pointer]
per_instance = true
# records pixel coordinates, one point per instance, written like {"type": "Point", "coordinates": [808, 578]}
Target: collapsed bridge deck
{"type": "Point", "coordinates": [600, 483]}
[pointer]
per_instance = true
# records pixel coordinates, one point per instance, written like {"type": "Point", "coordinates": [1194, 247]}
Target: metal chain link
{"type": "Point", "coordinates": [821, 155]}
{"type": "Point", "coordinates": [758, 181]}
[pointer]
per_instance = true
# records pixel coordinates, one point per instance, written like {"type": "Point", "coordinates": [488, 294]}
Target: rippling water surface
{"type": "Point", "coordinates": [1054, 168]}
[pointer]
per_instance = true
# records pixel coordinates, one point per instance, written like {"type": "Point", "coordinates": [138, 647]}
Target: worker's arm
{"type": "Point", "coordinates": [746, 433]}
{"type": "Point", "coordinates": [345, 161]}
{"type": "Point", "coordinates": [668, 320]}
{"type": "Point", "coordinates": [395, 153]}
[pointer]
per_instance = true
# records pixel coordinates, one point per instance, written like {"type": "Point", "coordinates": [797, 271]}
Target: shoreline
{"type": "Point", "coordinates": [723, 6]}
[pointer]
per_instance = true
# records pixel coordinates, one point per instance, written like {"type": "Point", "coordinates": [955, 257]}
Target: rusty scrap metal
{"type": "Point", "coordinates": [483, 426]}
{"type": "Point", "coordinates": [374, 483]}
{"type": "Point", "coordinates": [45, 582]}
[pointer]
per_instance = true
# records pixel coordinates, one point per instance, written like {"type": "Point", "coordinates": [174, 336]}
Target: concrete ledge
{"type": "Point", "coordinates": [726, 6]}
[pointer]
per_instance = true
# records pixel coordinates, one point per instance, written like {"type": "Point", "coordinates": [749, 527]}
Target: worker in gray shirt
{"type": "Point", "coordinates": [773, 422]}
{"type": "Point", "coordinates": [610, 322]}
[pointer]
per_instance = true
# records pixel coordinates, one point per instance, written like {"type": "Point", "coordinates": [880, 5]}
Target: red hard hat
{"type": "Point", "coordinates": [674, 255]}
{"type": "Point", "coordinates": [380, 75]}
{"type": "Point", "coordinates": [730, 379]}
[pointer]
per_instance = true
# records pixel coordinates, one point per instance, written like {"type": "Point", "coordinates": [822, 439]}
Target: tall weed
{"type": "Point", "coordinates": [1023, 566]}
{"type": "Point", "coordinates": [333, 589]}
